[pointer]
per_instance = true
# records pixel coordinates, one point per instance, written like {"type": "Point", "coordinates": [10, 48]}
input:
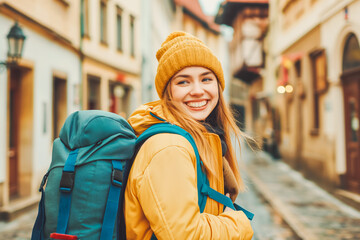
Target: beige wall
{"type": "Point", "coordinates": [312, 152]}
{"type": "Point", "coordinates": [304, 27]}
{"type": "Point", "coordinates": [104, 60]}
{"type": "Point", "coordinates": [60, 16]}
{"type": "Point", "coordinates": [106, 74]}
{"type": "Point", "coordinates": [236, 59]}
{"type": "Point", "coordinates": [108, 53]}
{"type": "Point", "coordinates": [195, 28]}
{"type": "Point", "coordinates": [52, 40]}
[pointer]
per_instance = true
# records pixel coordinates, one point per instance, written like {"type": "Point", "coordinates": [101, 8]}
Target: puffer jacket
{"type": "Point", "coordinates": [161, 194]}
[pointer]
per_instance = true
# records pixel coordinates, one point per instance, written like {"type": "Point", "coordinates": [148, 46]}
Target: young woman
{"type": "Point", "coordinates": [161, 194]}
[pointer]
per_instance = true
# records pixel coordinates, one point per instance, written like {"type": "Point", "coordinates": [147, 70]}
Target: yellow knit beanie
{"type": "Point", "coordinates": [181, 50]}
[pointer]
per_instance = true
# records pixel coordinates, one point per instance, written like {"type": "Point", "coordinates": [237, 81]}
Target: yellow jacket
{"type": "Point", "coordinates": [161, 194]}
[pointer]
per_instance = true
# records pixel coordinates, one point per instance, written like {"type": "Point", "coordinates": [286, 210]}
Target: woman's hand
{"type": "Point", "coordinates": [227, 208]}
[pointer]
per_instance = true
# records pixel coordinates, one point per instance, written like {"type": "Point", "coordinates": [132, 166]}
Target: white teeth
{"type": "Point", "coordinates": [197, 104]}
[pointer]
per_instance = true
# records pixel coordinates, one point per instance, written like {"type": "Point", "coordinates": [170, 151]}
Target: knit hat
{"type": "Point", "coordinates": [181, 50]}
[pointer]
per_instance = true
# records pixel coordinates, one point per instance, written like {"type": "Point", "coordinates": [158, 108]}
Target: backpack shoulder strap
{"type": "Point", "coordinates": [170, 128]}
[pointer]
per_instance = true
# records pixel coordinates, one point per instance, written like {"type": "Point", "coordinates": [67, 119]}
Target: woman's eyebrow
{"type": "Point", "coordinates": [181, 75]}
{"type": "Point", "coordinates": [205, 73]}
{"type": "Point", "coordinates": [187, 76]}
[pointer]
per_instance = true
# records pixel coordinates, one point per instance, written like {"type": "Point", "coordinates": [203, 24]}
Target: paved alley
{"type": "Point", "coordinates": [20, 228]}
{"type": "Point", "coordinates": [310, 211]}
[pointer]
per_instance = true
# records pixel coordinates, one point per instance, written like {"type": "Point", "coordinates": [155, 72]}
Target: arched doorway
{"type": "Point", "coordinates": [351, 87]}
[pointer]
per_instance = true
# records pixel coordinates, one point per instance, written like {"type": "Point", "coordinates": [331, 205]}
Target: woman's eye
{"type": "Point", "coordinates": [183, 82]}
{"type": "Point", "coordinates": [207, 80]}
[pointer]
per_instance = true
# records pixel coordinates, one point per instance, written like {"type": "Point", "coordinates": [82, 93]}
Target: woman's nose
{"type": "Point", "coordinates": [197, 89]}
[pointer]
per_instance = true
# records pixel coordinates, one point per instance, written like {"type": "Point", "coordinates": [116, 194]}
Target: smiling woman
{"type": "Point", "coordinates": [161, 197]}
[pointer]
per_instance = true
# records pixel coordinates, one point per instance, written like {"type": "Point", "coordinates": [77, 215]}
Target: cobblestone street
{"type": "Point", "coordinates": [267, 223]}
{"type": "Point", "coordinates": [310, 211]}
{"type": "Point", "coordinates": [20, 228]}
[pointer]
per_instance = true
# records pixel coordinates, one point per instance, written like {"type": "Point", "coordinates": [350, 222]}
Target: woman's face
{"type": "Point", "coordinates": [196, 90]}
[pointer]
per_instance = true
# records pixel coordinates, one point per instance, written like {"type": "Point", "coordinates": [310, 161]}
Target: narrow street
{"type": "Point", "coordinates": [309, 211]}
{"type": "Point", "coordinates": [267, 223]}
{"type": "Point", "coordinates": [20, 228]}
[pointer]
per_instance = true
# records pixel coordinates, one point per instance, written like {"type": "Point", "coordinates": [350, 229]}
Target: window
{"type": "Point", "coordinates": [292, 11]}
{"type": "Point", "coordinates": [59, 105]}
{"type": "Point", "coordinates": [85, 19]}
{"type": "Point", "coordinates": [299, 82]}
{"type": "Point", "coordinates": [119, 98]}
{"type": "Point", "coordinates": [239, 91]}
{"type": "Point", "coordinates": [66, 3]}
{"type": "Point", "coordinates": [298, 69]}
{"type": "Point", "coordinates": [351, 57]}
{"type": "Point", "coordinates": [103, 22]}
{"type": "Point", "coordinates": [119, 29]}
{"type": "Point", "coordinates": [320, 84]}
{"type": "Point", "coordinates": [132, 36]}
{"type": "Point", "coordinates": [93, 93]}
{"type": "Point", "coordinates": [353, 120]}
{"type": "Point", "coordinates": [255, 104]}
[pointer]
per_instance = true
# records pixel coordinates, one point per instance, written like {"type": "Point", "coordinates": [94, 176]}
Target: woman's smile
{"type": "Point", "coordinates": [196, 104]}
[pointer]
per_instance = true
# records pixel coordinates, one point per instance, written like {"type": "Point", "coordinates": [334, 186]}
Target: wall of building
{"type": "Point", "coordinates": [335, 24]}
{"type": "Point", "coordinates": [46, 54]}
{"type": "Point", "coordinates": [61, 16]}
{"type": "Point", "coordinates": [104, 60]}
{"type": "Point", "coordinates": [303, 28]}
{"type": "Point", "coordinates": [158, 17]}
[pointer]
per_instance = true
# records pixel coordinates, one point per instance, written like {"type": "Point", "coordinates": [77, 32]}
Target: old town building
{"type": "Point", "coordinates": [313, 60]}
{"type": "Point", "coordinates": [77, 55]}
{"type": "Point", "coordinates": [111, 55]}
{"type": "Point", "coordinates": [37, 93]}
{"type": "Point", "coordinates": [249, 20]}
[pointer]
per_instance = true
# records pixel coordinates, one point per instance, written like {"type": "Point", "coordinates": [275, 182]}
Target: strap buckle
{"type": "Point", "coordinates": [67, 181]}
{"type": "Point", "coordinates": [117, 177]}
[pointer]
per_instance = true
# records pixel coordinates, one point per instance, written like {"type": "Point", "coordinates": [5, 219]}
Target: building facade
{"type": "Point", "coordinates": [313, 61]}
{"type": "Point", "coordinates": [77, 55]}
{"type": "Point", "coordinates": [36, 95]}
{"type": "Point", "coordinates": [249, 20]}
{"type": "Point", "coordinates": [158, 17]}
{"type": "Point", "coordinates": [111, 55]}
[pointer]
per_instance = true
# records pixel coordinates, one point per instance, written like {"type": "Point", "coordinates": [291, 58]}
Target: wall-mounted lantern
{"type": "Point", "coordinates": [16, 39]}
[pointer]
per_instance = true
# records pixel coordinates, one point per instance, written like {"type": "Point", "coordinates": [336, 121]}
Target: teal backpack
{"type": "Point", "coordinates": [85, 183]}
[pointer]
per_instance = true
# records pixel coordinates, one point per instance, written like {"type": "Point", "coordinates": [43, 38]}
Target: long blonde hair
{"type": "Point", "coordinates": [223, 119]}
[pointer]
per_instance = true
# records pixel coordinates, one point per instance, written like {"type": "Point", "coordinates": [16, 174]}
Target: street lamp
{"type": "Point", "coordinates": [16, 39]}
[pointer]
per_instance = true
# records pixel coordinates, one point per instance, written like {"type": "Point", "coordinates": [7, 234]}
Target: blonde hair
{"type": "Point", "coordinates": [223, 119]}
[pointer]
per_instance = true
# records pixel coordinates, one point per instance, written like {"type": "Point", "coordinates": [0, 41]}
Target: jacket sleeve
{"type": "Point", "coordinates": [167, 193]}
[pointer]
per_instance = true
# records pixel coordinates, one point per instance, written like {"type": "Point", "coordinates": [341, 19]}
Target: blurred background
{"type": "Point", "coordinates": [292, 70]}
